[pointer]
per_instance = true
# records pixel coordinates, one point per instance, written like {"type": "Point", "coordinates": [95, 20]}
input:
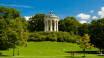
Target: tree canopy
{"type": "Point", "coordinates": [83, 29]}
{"type": "Point", "coordinates": [69, 24]}
{"type": "Point", "coordinates": [12, 29]}
{"type": "Point", "coordinates": [36, 23]}
{"type": "Point", "coordinates": [97, 33]}
{"type": "Point", "coordinates": [9, 12]}
{"type": "Point", "coordinates": [84, 43]}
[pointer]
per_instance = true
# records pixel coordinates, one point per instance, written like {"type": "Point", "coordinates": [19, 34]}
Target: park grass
{"type": "Point", "coordinates": [48, 49]}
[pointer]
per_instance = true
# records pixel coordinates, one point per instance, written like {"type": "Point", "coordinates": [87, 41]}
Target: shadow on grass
{"type": "Point", "coordinates": [73, 57]}
{"type": "Point", "coordinates": [3, 55]}
{"type": "Point", "coordinates": [88, 52]}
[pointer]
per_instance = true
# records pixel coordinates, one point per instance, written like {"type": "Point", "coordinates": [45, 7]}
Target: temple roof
{"type": "Point", "coordinates": [51, 15]}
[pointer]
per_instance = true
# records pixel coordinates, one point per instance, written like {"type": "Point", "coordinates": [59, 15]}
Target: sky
{"type": "Point", "coordinates": [82, 10]}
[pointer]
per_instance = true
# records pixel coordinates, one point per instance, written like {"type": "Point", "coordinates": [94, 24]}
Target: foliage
{"type": "Point", "coordinates": [97, 33]}
{"type": "Point", "coordinates": [36, 23]}
{"type": "Point", "coordinates": [13, 28]}
{"type": "Point", "coordinates": [3, 38]}
{"type": "Point", "coordinates": [83, 29]}
{"type": "Point", "coordinates": [84, 43]}
{"type": "Point", "coordinates": [9, 12]}
{"type": "Point", "coordinates": [12, 33]}
{"type": "Point", "coordinates": [69, 24]}
{"type": "Point", "coordinates": [53, 36]}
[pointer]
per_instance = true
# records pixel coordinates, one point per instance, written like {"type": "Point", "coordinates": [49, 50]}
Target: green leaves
{"type": "Point", "coordinates": [69, 24]}
{"type": "Point", "coordinates": [97, 33]}
{"type": "Point", "coordinates": [9, 12]}
{"type": "Point", "coordinates": [84, 42]}
{"type": "Point", "coordinates": [83, 29]}
{"type": "Point", "coordinates": [12, 33]}
{"type": "Point", "coordinates": [53, 36]}
{"type": "Point", "coordinates": [36, 23]}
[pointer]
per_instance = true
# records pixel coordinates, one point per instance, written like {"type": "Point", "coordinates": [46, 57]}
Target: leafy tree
{"type": "Point", "coordinates": [97, 33]}
{"type": "Point", "coordinates": [84, 43]}
{"type": "Point", "coordinates": [16, 34]}
{"type": "Point", "coordinates": [13, 28]}
{"type": "Point", "coordinates": [3, 38]}
{"type": "Point", "coordinates": [25, 24]}
{"type": "Point", "coordinates": [12, 33]}
{"type": "Point", "coordinates": [36, 23]}
{"type": "Point", "coordinates": [9, 12]}
{"type": "Point", "coordinates": [83, 29]}
{"type": "Point", "coordinates": [69, 24]}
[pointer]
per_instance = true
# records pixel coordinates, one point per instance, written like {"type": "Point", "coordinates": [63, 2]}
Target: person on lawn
{"type": "Point", "coordinates": [72, 53]}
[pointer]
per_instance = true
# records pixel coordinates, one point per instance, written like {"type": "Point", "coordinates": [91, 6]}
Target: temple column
{"type": "Point", "coordinates": [51, 27]}
{"type": "Point", "coordinates": [47, 25]}
{"type": "Point", "coordinates": [45, 28]}
{"type": "Point", "coordinates": [57, 25]}
{"type": "Point", "coordinates": [54, 25]}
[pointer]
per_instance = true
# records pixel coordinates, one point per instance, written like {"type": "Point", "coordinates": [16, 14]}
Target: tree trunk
{"type": "Point", "coordinates": [13, 51]}
{"type": "Point", "coordinates": [26, 45]}
{"type": "Point", "coordinates": [18, 51]}
{"type": "Point", "coordinates": [84, 52]}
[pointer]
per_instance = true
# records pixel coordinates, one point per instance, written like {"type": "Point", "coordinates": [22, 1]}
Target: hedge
{"type": "Point", "coordinates": [53, 36]}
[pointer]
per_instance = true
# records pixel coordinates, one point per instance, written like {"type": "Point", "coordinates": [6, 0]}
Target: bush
{"type": "Point", "coordinates": [53, 36]}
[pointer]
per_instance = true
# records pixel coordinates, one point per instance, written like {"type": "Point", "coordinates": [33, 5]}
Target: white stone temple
{"type": "Point", "coordinates": [51, 22]}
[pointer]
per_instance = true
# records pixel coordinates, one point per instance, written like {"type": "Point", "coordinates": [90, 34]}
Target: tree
{"type": "Point", "coordinates": [7, 15]}
{"type": "Point", "coordinates": [97, 33]}
{"type": "Point", "coordinates": [36, 23]}
{"type": "Point", "coordinates": [84, 43]}
{"type": "Point", "coordinates": [3, 38]}
{"type": "Point", "coordinates": [9, 12]}
{"type": "Point", "coordinates": [16, 33]}
{"type": "Point", "coordinates": [13, 28]}
{"type": "Point", "coordinates": [69, 24]}
{"type": "Point", "coordinates": [83, 29]}
{"type": "Point", "coordinates": [12, 33]}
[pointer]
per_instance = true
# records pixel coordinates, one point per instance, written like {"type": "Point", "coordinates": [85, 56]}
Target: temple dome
{"type": "Point", "coordinates": [51, 16]}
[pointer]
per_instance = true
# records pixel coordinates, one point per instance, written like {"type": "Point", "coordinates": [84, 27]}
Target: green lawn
{"type": "Point", "coordinates": [48, 49]}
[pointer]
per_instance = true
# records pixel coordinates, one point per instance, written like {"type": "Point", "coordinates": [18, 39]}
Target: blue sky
{"type": "Point", "coordinates": [61, 8]}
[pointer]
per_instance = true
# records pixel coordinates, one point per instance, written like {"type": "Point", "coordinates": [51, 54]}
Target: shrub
{"type": "Point", "coordinates": [53, 36]}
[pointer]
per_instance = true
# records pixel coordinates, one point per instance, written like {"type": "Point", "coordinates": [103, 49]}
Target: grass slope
{"type": "Point", "coordinates": [48, 49]}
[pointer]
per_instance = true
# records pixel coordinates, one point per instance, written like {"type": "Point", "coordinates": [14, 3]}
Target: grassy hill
{"type": "Point", "coordinates": [47, 49]}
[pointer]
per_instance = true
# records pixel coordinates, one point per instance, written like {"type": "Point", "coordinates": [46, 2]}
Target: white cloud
{"type": "Point", "coordinates": [102, 9]}
{"type": "Point", "coordinates": [12, 5]}
{"type": "Point", "coordinates": [27, 17]}
{"type": "Point", "coordinates": [83, 21]}
{"type": "Point", "coordinates": [24, 6]}
{"type": "Point", "coordinates": [92, 11]}
{"type": "Point", "coordinates": [94, 17]}
{"type": "Point", "coordinates": [101, 12]}
{"type": "Point", "coordinates": [83, 16]}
